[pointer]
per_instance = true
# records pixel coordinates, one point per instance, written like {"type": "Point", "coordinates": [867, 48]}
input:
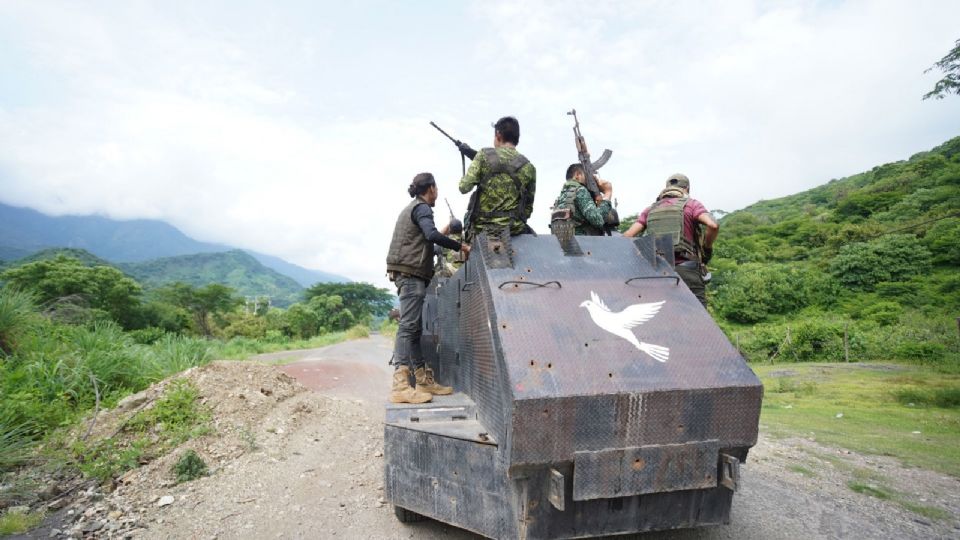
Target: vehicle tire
{"type": "Point", "coordinates": [407, 516]}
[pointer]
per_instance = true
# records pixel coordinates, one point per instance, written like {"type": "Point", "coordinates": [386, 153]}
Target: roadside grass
{"type": "Point", "coordinates": [800, 469]}
{"type": "Point", "coordinates": [389, 328]}
{"type": "Point", "coordinates": [875, 484]}
{"type": "Point", "coordinates": [18, 522]}
{"type": "Point", "coordinates": [175, 417]}
{"type": "Point", "coordinates": [240, 348]}
{"type": "Point", "coordinates": [880, 409]}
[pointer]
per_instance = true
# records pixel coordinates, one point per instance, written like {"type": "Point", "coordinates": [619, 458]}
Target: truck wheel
{"type": "Point", "coordinates": [406, 516]}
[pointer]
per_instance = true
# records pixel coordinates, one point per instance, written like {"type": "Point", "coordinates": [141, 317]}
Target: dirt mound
{"type": "Point", "coordinates": [254, 409]}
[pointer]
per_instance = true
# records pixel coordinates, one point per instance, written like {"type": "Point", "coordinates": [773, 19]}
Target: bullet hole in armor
{"type": "Point", "coordinates": [586, 344]}
{"type": "Point", "coordinates": [588, 253]}
{"type": "Point", "coordinates": [531, 362]}
{"type": "Point", "coordinates": [610, 375]}
{"type": "Point", "coordinates": [550, 365]}
{"type": "Point", "coordinates": [529, 270]}
{"type": "Point", "coordinates": [504, 326]}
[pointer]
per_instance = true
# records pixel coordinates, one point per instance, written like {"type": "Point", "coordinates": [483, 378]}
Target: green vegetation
{"type": "Point", "coordinates": [173, 419]}
{"type": "Point", "coordinates": [861, 268]}
{"type": "Point", "coordinates": [63, 356]}
{"type": "Point", "coordinates": [190, 466]}
{"type": "Point", "coordinates": [860, 407]}
{"type": "Point", "coordinates": [235, 269]}
{"type": "Point", "coordinates": [13, 522]}
{"type": "Point", "coordinates": [950, 83]}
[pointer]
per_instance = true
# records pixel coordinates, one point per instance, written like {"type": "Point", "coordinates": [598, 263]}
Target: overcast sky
{"type": "Point", "coordinates": [294, 128]}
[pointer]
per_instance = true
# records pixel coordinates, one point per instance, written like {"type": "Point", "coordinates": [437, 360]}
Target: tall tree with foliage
{"type": "Point", "coordinates": [950, 83]}
{"type": "Point", "coordinates": [361, 299]}
{"type": "Point", "coordinates": [202, 302]}
{"type": "Point", "coordinates": [101, 287]}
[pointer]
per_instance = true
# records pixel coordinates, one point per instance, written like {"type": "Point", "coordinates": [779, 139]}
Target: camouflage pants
{"type": "Point", "coordinates": [406, 348]}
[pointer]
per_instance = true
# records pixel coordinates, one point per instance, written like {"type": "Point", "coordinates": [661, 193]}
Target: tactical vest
{"type": "Point", "coordinates": [568, 199]}
{"type": "Point", "coordinates": [410, 251]}
{"type": "Point", "coordinates": [668, 219]}
{"type": "Point", "coordinates": [496, 167]}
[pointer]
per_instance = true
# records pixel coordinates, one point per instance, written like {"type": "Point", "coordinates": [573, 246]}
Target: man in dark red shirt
{"type": "Point", "coordinates": [683, 224]}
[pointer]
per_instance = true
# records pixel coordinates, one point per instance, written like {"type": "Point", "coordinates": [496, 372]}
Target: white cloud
{"type": "Point", "coordinates": [275, 131]}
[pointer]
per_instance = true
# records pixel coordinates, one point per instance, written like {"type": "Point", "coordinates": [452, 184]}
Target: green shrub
{"type": "Point", "coordinates": [923, 352]}
{"type": "Point", "coordinates": [358, 331]}
{"type": "Point", "coordinates": [146, 336]}
{"type": "Point", "coordinates": [943, 241]}
{"type": "Point", "coordinates": [389, 328]}
{"type": "Point", "coordinates": [883, 313]}
{"type": "Point", "coordinates": [189, 467]}
{"type": "Point", "coordinates": [945, 398]}
{"type": "Point", "coordinates": [895, 257]}
{"type": "Point", "coordinates": [17, 313]}
{"type": "Point", "coordinates": [754, 292]}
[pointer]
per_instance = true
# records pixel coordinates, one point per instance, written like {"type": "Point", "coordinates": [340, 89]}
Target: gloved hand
{"type": "Point", "coordinates": [456, 226]}
{"type": "Point", "coordinates": [466, 150]}
{"type": "Point", "coordinates": [707, 254]}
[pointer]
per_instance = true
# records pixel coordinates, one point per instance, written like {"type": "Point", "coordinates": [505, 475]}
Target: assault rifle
{"type": "Point", "coordinates": [612, 220]}
{"type": "Point", "coordinates": [465, 150]}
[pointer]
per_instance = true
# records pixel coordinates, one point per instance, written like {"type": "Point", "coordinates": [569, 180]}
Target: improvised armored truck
{"type": "Point", "coordinates": [593, 396]}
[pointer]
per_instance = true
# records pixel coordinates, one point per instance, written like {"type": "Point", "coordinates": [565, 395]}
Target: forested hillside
{"type": "Point", "coordinates": [863, 267]}
{"type": "Point", "coordinates": [236, 269]}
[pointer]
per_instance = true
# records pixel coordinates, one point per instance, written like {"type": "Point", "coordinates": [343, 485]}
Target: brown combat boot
{"type": "Point", "coordinates": [426, 383]}
{"type": "Point", "coordinates": [402, 392]}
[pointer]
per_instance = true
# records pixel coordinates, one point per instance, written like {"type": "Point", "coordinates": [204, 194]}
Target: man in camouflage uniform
{"type": "Point", "coordinates": [587, 213]}
{"type": "Point", "coordinates": [504, 184]}
{"type": "Point", "coordinates": [683, 217]}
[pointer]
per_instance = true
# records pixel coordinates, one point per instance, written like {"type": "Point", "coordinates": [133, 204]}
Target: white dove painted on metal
{"type": "Point", "coordinates": [621, 324]}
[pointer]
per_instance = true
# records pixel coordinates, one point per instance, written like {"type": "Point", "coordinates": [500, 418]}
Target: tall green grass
{"type": "Point", "coordinates": [17, 312]}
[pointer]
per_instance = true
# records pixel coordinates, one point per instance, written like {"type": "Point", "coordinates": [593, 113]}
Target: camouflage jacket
{"type": "Point", "coordinates": [499, 193]}
{"type": "Point", "coordinates": [588, 216]}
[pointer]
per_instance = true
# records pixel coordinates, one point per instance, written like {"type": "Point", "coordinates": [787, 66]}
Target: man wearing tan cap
{"type": "Point", "coordinates": [689, 223]}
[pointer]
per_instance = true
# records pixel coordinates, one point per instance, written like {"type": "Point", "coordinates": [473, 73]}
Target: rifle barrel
{"type": "Point", "coordinates": [447, 135]}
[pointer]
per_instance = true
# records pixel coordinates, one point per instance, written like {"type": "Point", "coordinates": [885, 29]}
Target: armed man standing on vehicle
{"type": "Point", "coordinates": [410, 267]}
{"type": "Point", "coordinates": [504, 183]}
{"type": "Point", "coordinates": [588, 213]}
{"type": "Point", "coordinates": [681, 216]}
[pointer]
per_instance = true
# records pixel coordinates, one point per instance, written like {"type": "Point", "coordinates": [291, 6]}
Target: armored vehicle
{"type": "Point", "coordinates": [593, 396]}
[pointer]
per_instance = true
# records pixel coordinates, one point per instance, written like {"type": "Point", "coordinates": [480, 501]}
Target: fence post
{"type": "Point", "coordinates": [846, 347]}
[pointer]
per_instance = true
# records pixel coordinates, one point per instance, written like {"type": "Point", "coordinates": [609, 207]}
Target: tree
{"type": "Point", "coordinates": [894, 257]}
{"type": "Point", "coordinates": [950, 66]}
{"type": "Point", "coordinates": [202, 302]}
{"type": "Point", "coordinates": [361, 299]}
{"type": "Point", "coordinates": [101, 287]}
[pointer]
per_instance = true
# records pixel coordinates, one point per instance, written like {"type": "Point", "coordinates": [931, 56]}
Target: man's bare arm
{"type": "Point", "coordinates": [635, 230]}
{"type": "Point", "coordinates": [713, 229]}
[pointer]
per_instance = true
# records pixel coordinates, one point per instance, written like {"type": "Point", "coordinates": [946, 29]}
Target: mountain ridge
{"type": "Point", "coordinates": [24, 231]}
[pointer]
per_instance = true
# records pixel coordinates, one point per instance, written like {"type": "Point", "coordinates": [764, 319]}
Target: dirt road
{"type": "Point", "coordinates": [294, 463]}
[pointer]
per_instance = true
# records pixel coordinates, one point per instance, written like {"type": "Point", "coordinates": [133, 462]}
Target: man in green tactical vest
{"type": "Point", "coordinates": [503, 182]}
{"type": "Point", "coordinates": [691, 227]}
{"type": "Point", "coordinates": [588, 214]}
{"type": "Point", "coordinates": [410, 267]}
